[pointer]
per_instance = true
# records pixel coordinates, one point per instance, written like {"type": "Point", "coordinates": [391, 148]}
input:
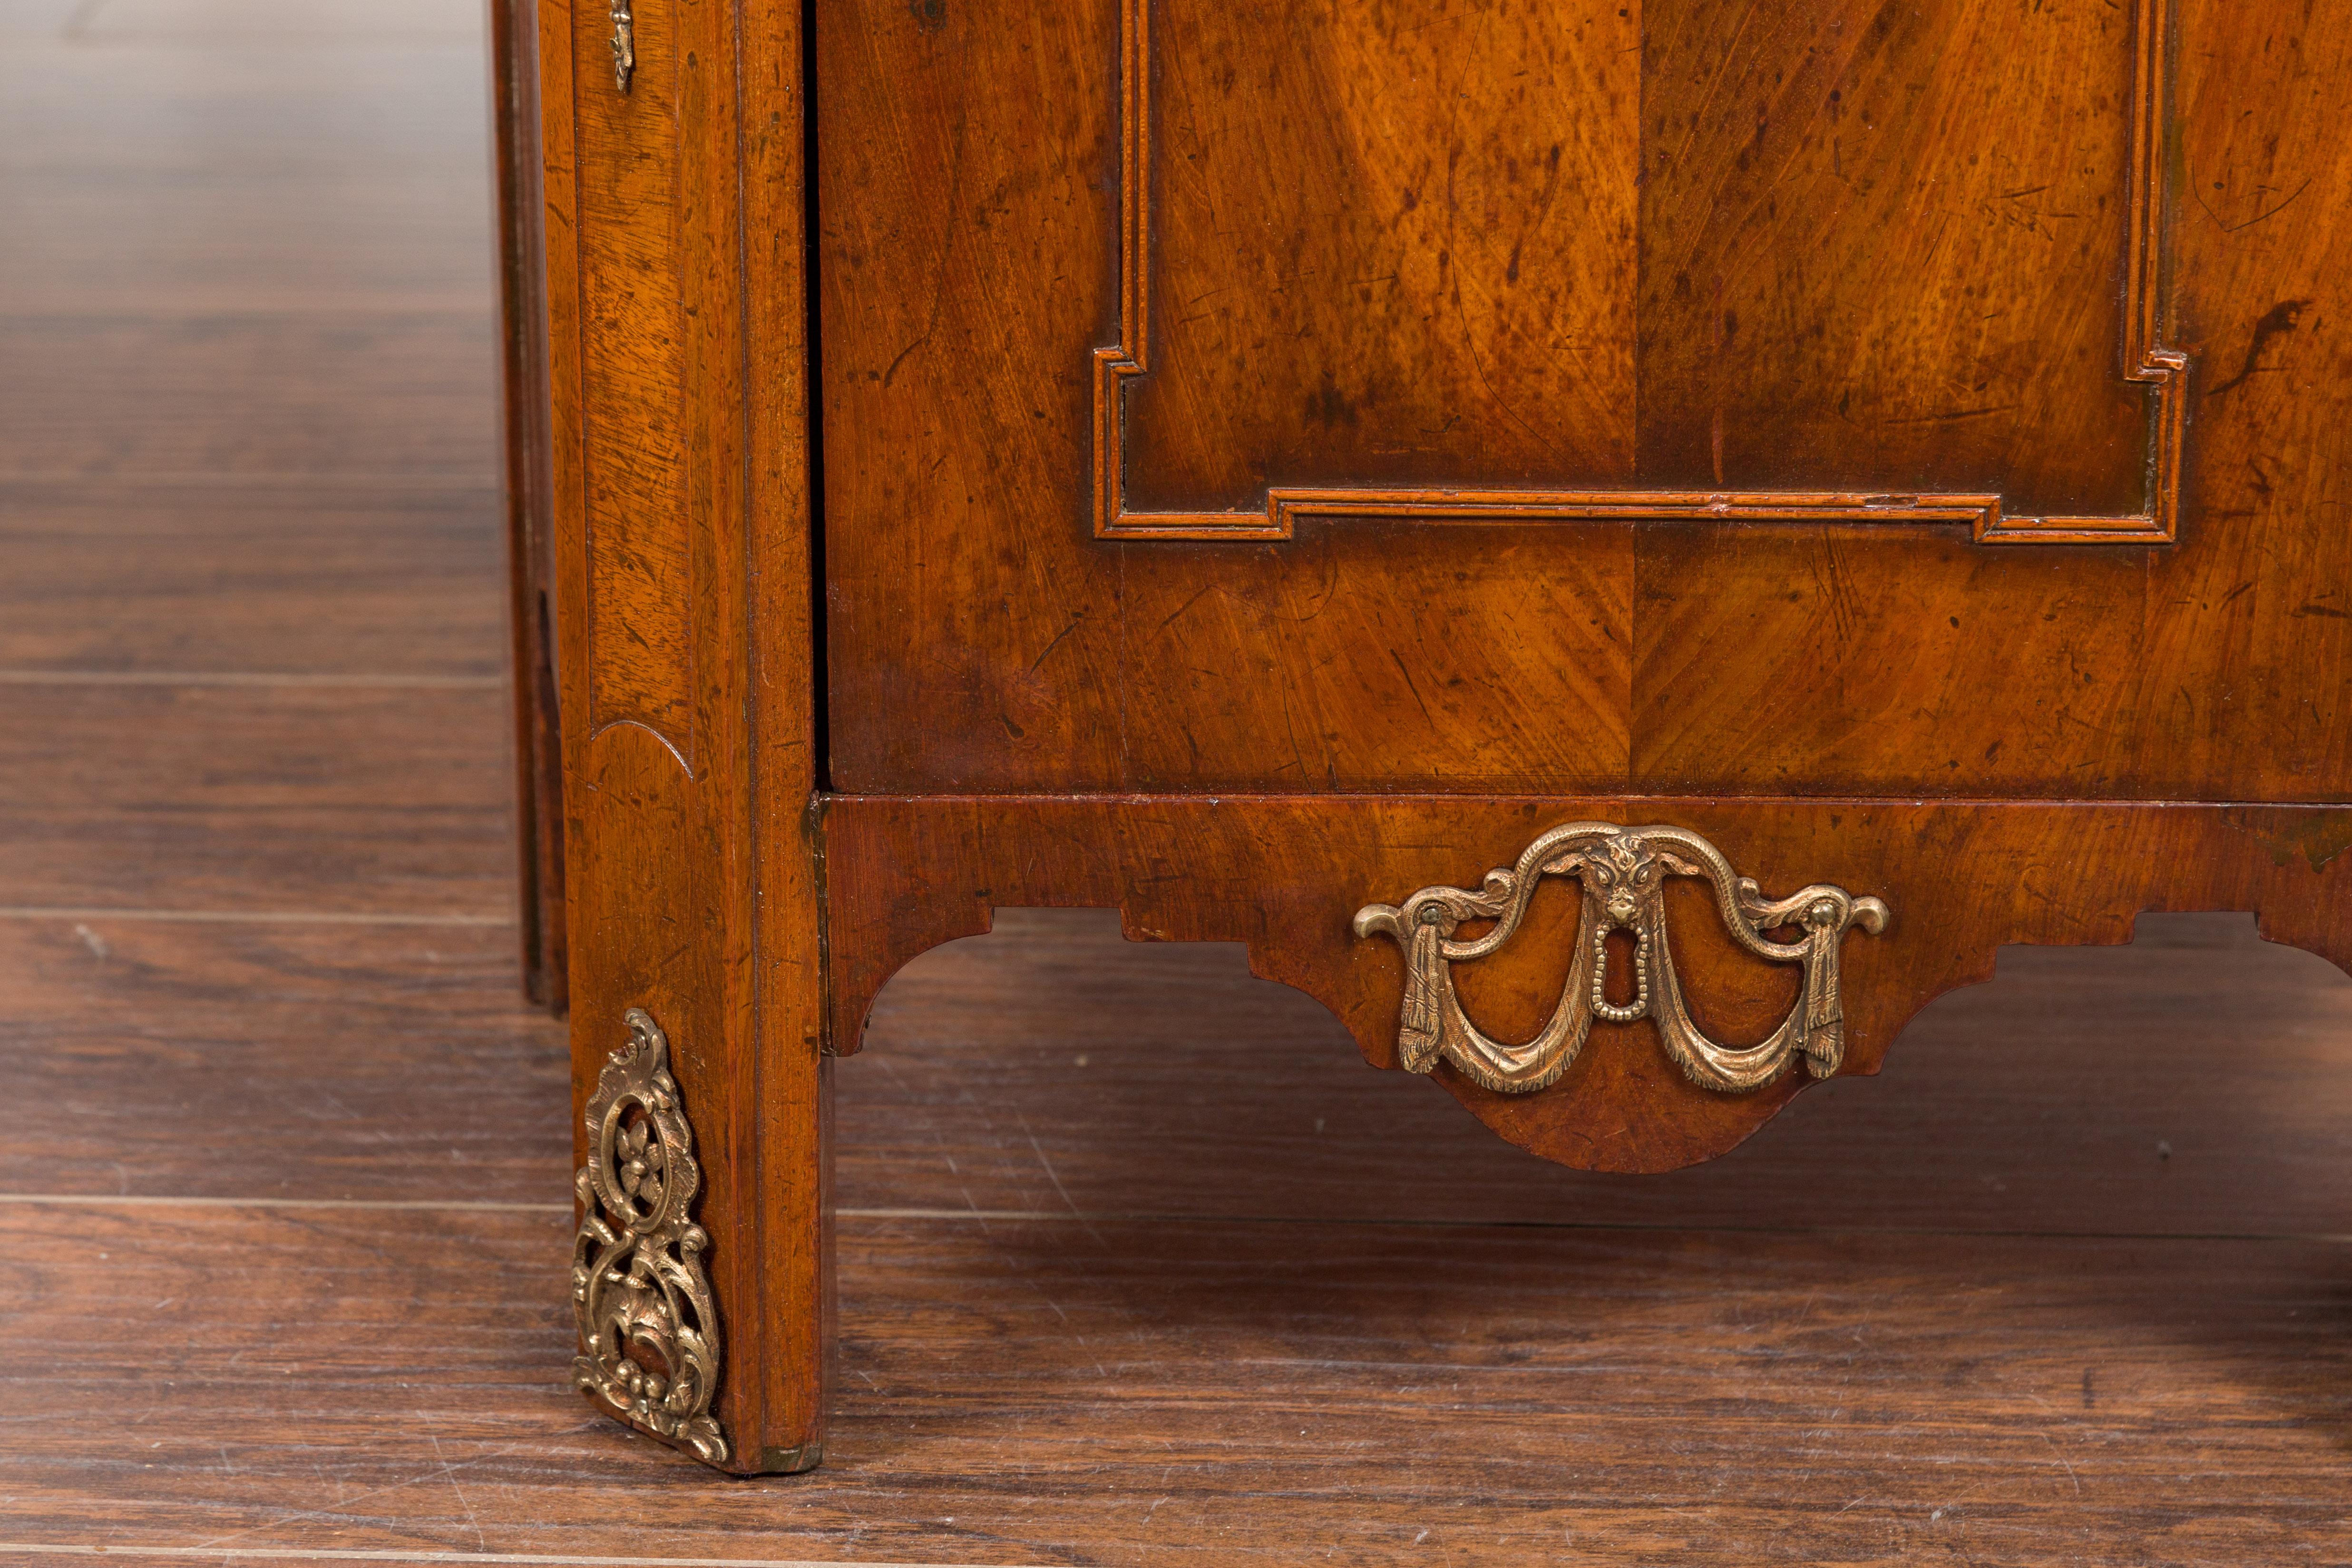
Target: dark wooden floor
{"type": "Point", "coordinates": [1139, 1262]}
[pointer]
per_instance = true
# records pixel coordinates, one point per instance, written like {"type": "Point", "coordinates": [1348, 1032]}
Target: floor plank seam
{"type": "Point", "coordinates": [363, 1554]}
{"type": "Point", "coordinates": [1139, 1217]}
{"type": "Point", "coordinates": [260, 479]}
{"type": "Point", "coordinates": [245, 678]}
{"type": "Point", "coordinates": [247, 916]}
{"type": "Point", "coordinates": [136, 1200]}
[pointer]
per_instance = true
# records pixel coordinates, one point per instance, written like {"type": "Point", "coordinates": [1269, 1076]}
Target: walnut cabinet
{"type": "Point", "coordinates": [1622, 546]}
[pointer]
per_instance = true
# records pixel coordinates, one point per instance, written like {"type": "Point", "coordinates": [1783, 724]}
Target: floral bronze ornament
{"type": "Point", "coordinates": [1623, 872]}
{"type": "Point", "coordinates": [648, 1325]}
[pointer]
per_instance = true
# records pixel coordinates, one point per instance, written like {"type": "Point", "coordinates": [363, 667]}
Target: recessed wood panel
{"type": "Point", "coordinates": [1384, 241]}
{"type": "Point", "coordinates": [1866, 285]}
{"type": "Point", "coordinates": [1880, 247]}
{"type": "Point", "coordinates": [2250, 632]}
{"type": "Point", "coordinates": [633, 354]}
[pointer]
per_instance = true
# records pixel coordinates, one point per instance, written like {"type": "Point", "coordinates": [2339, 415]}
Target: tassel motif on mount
{"type": "Point", "coordinates": [1622, 873]}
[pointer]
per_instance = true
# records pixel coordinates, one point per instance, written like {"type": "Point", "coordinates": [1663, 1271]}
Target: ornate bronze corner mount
{"type": "Point", "coordinates": [1624, 873]}
{"type": "Point", "coordinates": [648, 1328]}
{"type": "Point", "coordinates": [625, 45]}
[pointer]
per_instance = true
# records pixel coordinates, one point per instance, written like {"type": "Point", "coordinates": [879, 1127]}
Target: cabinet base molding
{"type": "Point", "coordinates": [1289, 875]}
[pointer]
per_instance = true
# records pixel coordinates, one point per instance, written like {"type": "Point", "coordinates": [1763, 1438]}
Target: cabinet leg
{"type": "Point", "coordinates": [745, 1389]}
{"type": "Point", "coordinates": [792, 1300]}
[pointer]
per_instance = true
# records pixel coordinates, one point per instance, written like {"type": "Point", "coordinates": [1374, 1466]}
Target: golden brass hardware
{"type": "Point", "coordinates": [1623, 872]}
{"type": "Point", "coordinates": [625, 45]}
{"type": "Point", "coordinates": [648, 1328]}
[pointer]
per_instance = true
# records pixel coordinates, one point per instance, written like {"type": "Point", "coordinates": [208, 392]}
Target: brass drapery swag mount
{"type": "Point", "coordinates": [1623, 872]}
{"type": "Point", "coordinates": [648, 1329]}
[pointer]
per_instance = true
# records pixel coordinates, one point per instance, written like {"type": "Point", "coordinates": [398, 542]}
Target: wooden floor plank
{"type": "Point", "coordinates": [1209, 1393]}
{"type": "Point", "coordinates": [399, 1062]}
{"type": "Point", "coordinates": [37, 19]}
{"type": "Point", "coordinates": [373, 800]}
{"type": "Point", "coordinates": [2158, 1088]}
{"type": "Point", "coordinates": [289, 578]}
{"type": "Point", "coordinates": [228, 110]}
{"type": "Point", "coordinates": [389, 396]}
{"type": "Point", "coordinates": [283, 21]}
{"type": "Point", "coordinates": [343, 1062]}
{"type": "Point", "coordinates": [164, 243]}
{"type": "Point", "coordinates": [237, 175]}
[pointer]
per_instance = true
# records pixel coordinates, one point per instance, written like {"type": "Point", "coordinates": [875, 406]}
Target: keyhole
{"type": "Point", "coordinates": [1618, 987]}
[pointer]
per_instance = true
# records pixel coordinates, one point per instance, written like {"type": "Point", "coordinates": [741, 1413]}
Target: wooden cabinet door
{"type": "Point", "coordinates": [1803, 397]}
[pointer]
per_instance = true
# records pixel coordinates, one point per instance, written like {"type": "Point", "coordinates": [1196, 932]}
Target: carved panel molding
{"type": "Point", "coordinates": [2145, 360]}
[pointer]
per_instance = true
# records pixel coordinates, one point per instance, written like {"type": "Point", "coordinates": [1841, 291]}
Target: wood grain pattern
{"type": "Point", "coordinates": [1855, 261]}
{"type": "Point", "coordinates": [1285, 876]}
{"type": "Point", "coordinates": [1878, 657]}
{"type": "Point", "coordinates": [396, 397]}
{"type": "Point", "coordinates": [683, 598]}
{"type": "Point", "coordinates": [385, 799]}
{"type": "Point", "coordinates": [343, 1061]}
{"type": "Point", "coordinates": [2208, 672]}
{"type": "Point", "coordinates": [526, 398]}
{"type": "Point", "coordinates": [2234, 625]}
{"type": "Point", "coordinates": [789, 1107]}
{"type": "Point", "coordinates": [301, 579]}
{"type": "Point", "coordinates": [1480, 1392]}
{"type": "Point", "coordinates": [1352, 655]}
{"type": "Point", "coordinates": [634, 354]}
{"type": "Point", "coordinates": [983, 639]}
{"type": "Point", "coordinates": [1432, 241]}
{"type": "Point", "coordinates": [2188, 1083]}
{"type": "Point", "coordinates": [1560, 396]}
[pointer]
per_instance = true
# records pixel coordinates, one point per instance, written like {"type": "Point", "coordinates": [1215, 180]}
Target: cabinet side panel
{"type": "Point", "coordinates": [522, 336]}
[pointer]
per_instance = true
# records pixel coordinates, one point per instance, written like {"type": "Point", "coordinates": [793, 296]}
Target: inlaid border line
{"type": "Point", "coordinates": [2144, 361]}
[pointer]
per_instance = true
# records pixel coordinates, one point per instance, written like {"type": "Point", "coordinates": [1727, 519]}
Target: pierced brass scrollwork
{"type": "Point", "coordinates": [1623, 872]}
{"type": "Point", "coordinates": [648, 1328]}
